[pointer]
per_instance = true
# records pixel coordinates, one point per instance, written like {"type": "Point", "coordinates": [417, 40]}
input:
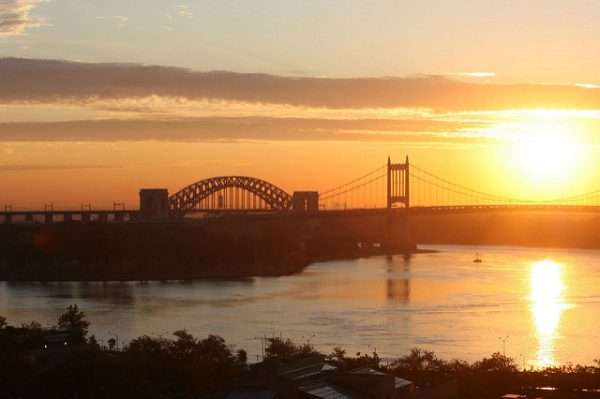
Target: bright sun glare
{"type": "Point", "coordinates": [547, 305]}
{"type": "Point", "coordinates": [547, 153]}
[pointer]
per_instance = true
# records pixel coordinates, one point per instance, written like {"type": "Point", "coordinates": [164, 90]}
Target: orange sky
{"type": "Point", "coordinates": [97, 101]}
{"type": "Point", "coordinates": [76, 133]}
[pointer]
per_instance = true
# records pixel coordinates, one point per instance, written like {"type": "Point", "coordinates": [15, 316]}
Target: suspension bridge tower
{"type": "Point", "coordinates": [398, 205]}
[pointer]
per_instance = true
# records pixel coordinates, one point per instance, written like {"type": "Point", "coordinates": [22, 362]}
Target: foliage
{"type": "Point", "coordinates": [497, 362]}
{"type": "Point", "coordinates": [186, 366]}
{"type": "Point", "coordinates": [73, 321]}
{"type": "Point", "coordinates": [32, 325]}
{"type": "Point", "coordinates": [285, 347]}
{"type": "Point", "coordinates": [338, 356]}
{"type": "Point", "coordinates": [418, 360]}
{"type": "Point", "coordinates": [2, 322]}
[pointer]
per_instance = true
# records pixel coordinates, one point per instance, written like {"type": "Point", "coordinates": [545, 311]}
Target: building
{"type": "Point", "coordinates": [154, 203]}
{"type": "Point", "coordinates": [311, 377]}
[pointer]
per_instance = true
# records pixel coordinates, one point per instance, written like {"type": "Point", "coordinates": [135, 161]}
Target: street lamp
{"type": "Point", "coordinates": [503, 345]}
{"type": "Point", "coordinates": [262, 347]}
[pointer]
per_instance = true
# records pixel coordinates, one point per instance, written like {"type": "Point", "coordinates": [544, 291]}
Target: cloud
{"type": "Point", "coordinates": [45, 81]}
{"type": "Point", "coordinates": [119, 19]}
{"type": "Point", "coordinates": [184, 11]}
{"type": "Point", "coordinates": [588, 85]}
{"type": "Point", "coordinates": [472, 74]}
{"type": "Point", "coordinates": [36, 167]}
{"type": "Point", "coordinates": [243, 129]}
{"type": "Point", "coordinates": [15, 17]}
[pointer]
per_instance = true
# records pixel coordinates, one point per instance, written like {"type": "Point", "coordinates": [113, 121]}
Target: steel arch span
{"type": "Point", "coordinates": [229, 192]}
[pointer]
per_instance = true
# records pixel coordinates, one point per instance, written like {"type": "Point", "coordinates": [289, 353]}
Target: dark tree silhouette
{"type": "Point", "coordinates": [279, 347]}
{"type": "Point", "coordinates": [73, 321]}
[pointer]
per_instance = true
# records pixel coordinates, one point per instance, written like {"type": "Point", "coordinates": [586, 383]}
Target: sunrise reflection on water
{"type": "Point", "coordinates": [547, 305]}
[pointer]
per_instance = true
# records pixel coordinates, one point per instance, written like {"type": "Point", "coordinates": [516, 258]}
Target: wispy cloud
{"type": "Point", "coordinates": [588, 85]}
{"type": "Point", "coordinates": [121, 20]}
{"type": "Point", "coordinates": [15, 17]}
{"type": "Point", "coordinates": [183, 10]}
{"type": "Point", "coordinates": [243, 129]}
{"type": "Point", "coordinates": [472, 74]}
{"type": "Point", "coordinates": [46, 167]}
{"type": "Point", "coordinates": [43, 81]}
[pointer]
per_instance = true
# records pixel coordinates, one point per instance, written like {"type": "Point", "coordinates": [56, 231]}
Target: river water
{"type": "Point", "coordinates": [540, 306]}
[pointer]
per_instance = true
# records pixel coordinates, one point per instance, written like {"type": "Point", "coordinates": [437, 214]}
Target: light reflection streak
{"type": "Point", "coordinates": [547, 305]}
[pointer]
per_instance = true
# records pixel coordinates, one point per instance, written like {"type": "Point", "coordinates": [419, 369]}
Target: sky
{"type": "Point", "coordinates": [100, 99]}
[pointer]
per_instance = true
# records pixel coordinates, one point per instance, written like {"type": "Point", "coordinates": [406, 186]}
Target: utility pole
{"type": "Point", "coordinates": [503, 345]}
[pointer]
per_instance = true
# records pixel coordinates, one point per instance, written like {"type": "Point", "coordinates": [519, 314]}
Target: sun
{"type": "Point", "coordinates": [547, 152]}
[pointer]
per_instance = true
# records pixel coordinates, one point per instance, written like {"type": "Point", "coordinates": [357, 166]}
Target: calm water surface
{"type": "Point", "coordinates": [546, 302]}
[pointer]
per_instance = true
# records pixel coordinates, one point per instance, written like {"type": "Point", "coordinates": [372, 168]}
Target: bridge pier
{"type": "Point", "coordinates": [398, 238]}
{"type": "Point", "coordinates": [398, 192]}
{"type": "Point", "coordinates": [119, 217]}
{"type": "Point", "coordinates": [49, 218]}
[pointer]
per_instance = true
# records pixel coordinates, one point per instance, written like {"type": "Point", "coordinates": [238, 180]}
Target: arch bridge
{"type": "Point", "coordinates": [229, 193]}
{"type": "Point", "coordinates": [391, 188]}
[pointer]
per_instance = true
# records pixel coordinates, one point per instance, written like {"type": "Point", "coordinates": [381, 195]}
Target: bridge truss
{"type": "Point", "coordinates": [226, 193]}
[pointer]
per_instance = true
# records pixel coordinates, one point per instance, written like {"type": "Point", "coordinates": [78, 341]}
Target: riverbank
{"type": "Point", "coordinates": [172, 251]}
{"type": "Point", "coordinates": [524, 229]}
{"type": "Point", "coordinates": [233, 247]}
{"type": "Point", "coordinates": [75, 272]}
{"type": "Point", "coordinates": [74, 365]}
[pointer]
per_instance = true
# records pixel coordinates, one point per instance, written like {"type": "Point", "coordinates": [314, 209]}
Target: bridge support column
{"type": "Point", "coordinates": [154, 204]}
{"type": "Point", "coordinates": [86, 217]}
{"type": "Point", "coordinates": [49, 218]}
{"type": "Point", "coordinates": [398, 192]}
{"type": "Point", "coordinates": [8, 218]}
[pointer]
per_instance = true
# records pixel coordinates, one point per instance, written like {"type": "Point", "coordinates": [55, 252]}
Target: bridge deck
{"type": "Point", "coordinates": [132, 215]}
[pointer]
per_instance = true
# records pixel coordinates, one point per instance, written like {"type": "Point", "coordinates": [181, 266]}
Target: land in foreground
{"type": "Point", "coordinates": [62, 361]}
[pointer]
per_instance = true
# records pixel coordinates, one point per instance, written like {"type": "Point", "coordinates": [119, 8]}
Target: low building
{"type": "Point", "coordinates": [311, 377]}
{"type": "Point", "coordinates": [46, 347]}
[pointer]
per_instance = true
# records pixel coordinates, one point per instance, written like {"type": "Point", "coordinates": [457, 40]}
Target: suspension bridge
{"type": "Point", "coordinates": [418, 191]}
{"type": "Point", "coordinates": [389, 188]}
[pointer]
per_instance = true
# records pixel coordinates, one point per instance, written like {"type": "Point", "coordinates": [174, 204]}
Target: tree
{"type": "Point", "coordinates": [111, 343]}
{"type": "Point", "coordinates": [2, 322]}
{"type": "Point", "coordinates": [33, 325]}
{"type": "Point", "coordinates": [418, 360]}
{"type": "Point", "coordinates": [338, 354]}
{"type": "Point", "coordinates": [279, 347]}
{"type": "Point", "coordinates": [186, 343]}
{"type": "Point", "coordinates": [286, 347]}
{"type": "Point", "coordinates": [73, 321]}
{"type": "Point", "coordinates": [242, 356]}
{"type": "Point", "coordinates": [497, 362]}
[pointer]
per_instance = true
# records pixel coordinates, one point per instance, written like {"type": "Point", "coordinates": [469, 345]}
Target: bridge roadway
{"type": "Point", "coordinates": [118, 216]}
{"type": "Point", "coordinates": [69, 215]}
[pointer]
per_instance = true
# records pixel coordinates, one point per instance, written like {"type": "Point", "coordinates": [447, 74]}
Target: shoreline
{"type": "Point", "coordinates": [264, 270]}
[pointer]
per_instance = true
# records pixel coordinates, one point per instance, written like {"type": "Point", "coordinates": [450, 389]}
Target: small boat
{"type": "Point", "coordinates": [477, 258]}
